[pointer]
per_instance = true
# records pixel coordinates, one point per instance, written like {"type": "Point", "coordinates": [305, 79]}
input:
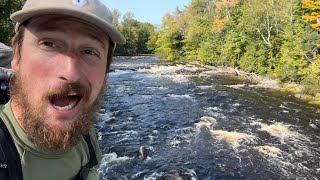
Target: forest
{"type": "Point", "coordinates": [275, 38]}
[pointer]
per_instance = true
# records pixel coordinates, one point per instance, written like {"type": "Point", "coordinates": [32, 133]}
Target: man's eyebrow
{"type": "Point", "coordinates": [88, 32]}
{"type": "Point", "coordinates": [96, 38]}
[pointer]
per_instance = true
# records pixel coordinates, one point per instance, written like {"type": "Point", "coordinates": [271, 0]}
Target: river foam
{"type": "Point", "coordinates": [233, 138]}
{"type": "Point", "coordinates": [279, 130]}
{"type": "Point", "coordinates": [268, 150]}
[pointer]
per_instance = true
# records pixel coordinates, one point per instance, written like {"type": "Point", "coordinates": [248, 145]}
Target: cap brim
{"type": "Point", "coordinates": [113, 33]}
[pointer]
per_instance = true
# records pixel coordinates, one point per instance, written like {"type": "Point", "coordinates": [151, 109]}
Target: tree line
{"type": "Point", "coordinates": [136, 33]}
{"type": "Point", "coordinates": [276, 38]}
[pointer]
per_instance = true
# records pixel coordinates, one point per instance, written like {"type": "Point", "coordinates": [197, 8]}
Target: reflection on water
{"type": "Point", "coordinates": [198, 122]}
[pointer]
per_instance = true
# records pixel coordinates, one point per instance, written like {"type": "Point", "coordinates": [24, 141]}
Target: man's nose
{"type": "Point", "coordinates": [70, 69]}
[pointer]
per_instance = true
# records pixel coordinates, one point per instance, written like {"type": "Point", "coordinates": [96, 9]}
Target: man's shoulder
{"type": "Point", "coordinates": [4, 110]}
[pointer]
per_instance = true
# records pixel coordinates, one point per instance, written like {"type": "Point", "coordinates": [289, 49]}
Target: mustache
{"type": "Point", "coordinates": [66, 89]}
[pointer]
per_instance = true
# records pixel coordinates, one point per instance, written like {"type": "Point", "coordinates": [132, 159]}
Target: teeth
{"type": "Point", "coordinates": [70, 106]}
{"type": "Point", "coordinates": [73, 94]}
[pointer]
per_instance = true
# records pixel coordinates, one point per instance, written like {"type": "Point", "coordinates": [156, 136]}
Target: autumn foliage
{"type": "Point", "coordinates": [312, 14]}
{"type": "Point", "coordinates": [277, 38]}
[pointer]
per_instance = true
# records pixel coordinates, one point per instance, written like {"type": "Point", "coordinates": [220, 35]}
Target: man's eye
{"type": "Point", "coordinates": [90, 55]}
{"type": "Point", "coordinates": [90, 52]}
{"type": "Point", "coordinates": [49, 44]}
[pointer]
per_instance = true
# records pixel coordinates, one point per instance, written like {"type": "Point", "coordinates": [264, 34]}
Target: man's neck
{"type": "Point", "coordinates": [16, 111]}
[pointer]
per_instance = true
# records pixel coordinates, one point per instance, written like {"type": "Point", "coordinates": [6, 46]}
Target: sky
{"type": "Point", "coordinates": [150, 11]}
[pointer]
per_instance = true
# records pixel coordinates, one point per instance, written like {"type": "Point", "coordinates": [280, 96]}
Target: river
{"type": "Point", "coordinates": [199, 124]}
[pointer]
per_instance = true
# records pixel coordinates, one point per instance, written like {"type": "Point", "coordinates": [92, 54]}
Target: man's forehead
{"type": "Point", "coordinates": [62, 24]}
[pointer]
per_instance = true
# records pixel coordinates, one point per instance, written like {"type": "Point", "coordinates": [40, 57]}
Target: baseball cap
{"type": "Point", "coordinates": [91, 11]}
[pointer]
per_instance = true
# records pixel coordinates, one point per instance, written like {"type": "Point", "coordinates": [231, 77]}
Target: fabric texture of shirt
{"type": "Point", "coordinates": [38, 165]}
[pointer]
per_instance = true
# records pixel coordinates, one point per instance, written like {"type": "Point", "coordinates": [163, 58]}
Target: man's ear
{"type": "Point", "coordinates": [15, 63]}
{"type": "Point", "coordinates": [16, 57]}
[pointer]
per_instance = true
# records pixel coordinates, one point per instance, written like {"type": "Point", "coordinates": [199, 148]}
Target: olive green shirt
{"type": "Point", "coordinates": [38, 165]}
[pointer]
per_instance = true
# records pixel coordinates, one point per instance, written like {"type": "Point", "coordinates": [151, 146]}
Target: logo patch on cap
{"type": "Point", "coordinates": [79, 3]}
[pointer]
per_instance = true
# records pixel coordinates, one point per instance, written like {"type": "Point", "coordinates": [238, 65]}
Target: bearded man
{"type": "Point", "coordinates": [62, 51]}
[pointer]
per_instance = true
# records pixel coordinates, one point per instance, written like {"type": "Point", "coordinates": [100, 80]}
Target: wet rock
{"type": "Point", "coordinates": [298, 96]}
{"type": "Point", "coordinates": [142, 153]}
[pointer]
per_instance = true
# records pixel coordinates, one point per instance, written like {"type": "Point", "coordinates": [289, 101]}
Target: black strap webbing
{"type": "Point", "coordinates": [84, 171]}
{"type": "Point", "coordinates": [11, 154]}
{"type": "Point", "coordinates": [13, 162]}
{"type": "Point", "coordinates": [93, 159]}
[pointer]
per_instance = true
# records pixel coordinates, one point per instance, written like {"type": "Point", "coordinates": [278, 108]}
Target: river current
{"type": "Point", "coordinates": [197, 123]}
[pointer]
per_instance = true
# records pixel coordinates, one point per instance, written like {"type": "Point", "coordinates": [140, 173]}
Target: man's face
{"type": "Point", "coordinates": [59, 80]}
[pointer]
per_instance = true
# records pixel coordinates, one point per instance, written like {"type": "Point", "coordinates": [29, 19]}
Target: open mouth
{"type": "Point", "coordinates": [65, 102]}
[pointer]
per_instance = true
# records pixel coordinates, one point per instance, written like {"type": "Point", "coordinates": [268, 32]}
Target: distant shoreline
{"type": "Point", "coordinates": [262, 81]}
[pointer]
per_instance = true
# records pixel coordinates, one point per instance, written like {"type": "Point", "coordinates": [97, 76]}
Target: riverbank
{"type": "Point", "coordinates": [293, 89]}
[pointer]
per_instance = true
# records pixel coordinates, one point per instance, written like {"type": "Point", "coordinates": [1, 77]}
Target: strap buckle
{"type": "Point", "coordinates": [3, 165]}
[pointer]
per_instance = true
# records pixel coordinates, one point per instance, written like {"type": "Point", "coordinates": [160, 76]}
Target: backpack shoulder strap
{"type": "Point", "coordinates": [12, 165]}
{"type": "Point", "coordinates": [84, 171]}
{"type": "Point", "coordinates": [93, 158]}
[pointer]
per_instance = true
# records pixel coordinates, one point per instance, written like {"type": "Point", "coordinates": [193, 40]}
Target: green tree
{"type": "Point", "coordinates": [292, 60]}
{"type": "Point", "coordinates": [233, 48]}
{"type": "Point", "coordinates": [210, 50]}
{"type": "Point", "coordinates": [152, 42]}
{"type": "Point", "coordinates": [264, 18]}
{"type": "Point", "coordinates": [146, 30]}
{"type": "Point", "coordinates": [136, 33]}
{"type": "Point", "coordinates": [170, 38]}
{"type": "Point", "coordinates": [312, 79]}
{"type": "Point", "coordinates": [7, 7]}
{"type": "Point", "coordinates": [197, 17]}
{"type": "Point", "coordinates": [256, 57]}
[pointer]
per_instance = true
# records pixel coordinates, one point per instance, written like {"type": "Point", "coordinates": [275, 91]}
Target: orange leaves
{"type": "Point", "coordinates": [310, 18]}
{"type": "Point", "coordinates": [218, 25]}
{"type": "Point", "coordinates": [222, 13]}
{"type": "Point", "coordinates": [222, 4]}
{"type": "Point", "coordinates": [313, 13]}
{"type": "Point", "coordinates": [311, 4]}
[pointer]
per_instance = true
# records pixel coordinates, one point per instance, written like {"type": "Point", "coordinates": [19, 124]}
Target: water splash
{"type": "Point", "coordinates": [279, 130]}
{"type": "Point", "coordinates": [203, 124]}
{"type": "Point", "coordinates": [178, 97]}
{"type": "Point", "coordinates": [236, 86]}
{"type": "Point", "coordinates": [113, 157]}
{"type": "Point", "coordinates": [206, 121]}
{"type": "Point", "coordinates": [268, 150]}
{"type": "Point", "coordinates": [234, 138]}
{"type": "Point", "coordinates": [174, 175]}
